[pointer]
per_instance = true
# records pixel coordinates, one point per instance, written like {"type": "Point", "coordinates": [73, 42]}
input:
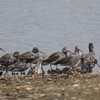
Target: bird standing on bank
{"type": "Point", "coordinates": [8, 59]}
{"type": "Point", "coordinates": [56, 57]}
{"type": "Point", "coordinates": [72, 59]}
{"type": "Point", "coordinates": [30, 56]}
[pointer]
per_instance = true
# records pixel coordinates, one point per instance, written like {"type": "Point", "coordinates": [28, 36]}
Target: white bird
{"type": "Point", "coordinates": [37, 69]}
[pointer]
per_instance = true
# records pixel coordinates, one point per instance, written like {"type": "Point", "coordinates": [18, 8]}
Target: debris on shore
{"type": "Point", "coordinates": [80, 87]}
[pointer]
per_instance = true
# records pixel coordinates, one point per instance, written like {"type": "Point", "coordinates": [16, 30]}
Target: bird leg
{"type": "Point", "coordinates": [24, 71]}
{"type": "Point", "coordinates": [58, 75]}
{"type": "Point", "coordinates": [56, 69]}
{"type": "Point", "coordinates": [8, 74]}
{"type": "Point", "coordinates": [51, 68]}
{"type": "Point", "coordinates": [13, 73]}
{"type": "Point", "coordinates": [30, 65]}
{"type": "Point", "coordinates": [42, 72]}
{"type": "Point", "coordinates": [67, 72]}
{"type": "Point", "coordinates": [7, 70]}
{"type": "Point", "coordinates": [5, 73]}
{"type": "Point", "coordinates": [75, 72]}
{"type": "Point", "coordinates": [18, 80]}
{"type": "Point", "coordinates": [21, 73]}
{"type": "Point", "coordinates": [1, 73]}
{"type": "Point", "coordinates": [34, 72]}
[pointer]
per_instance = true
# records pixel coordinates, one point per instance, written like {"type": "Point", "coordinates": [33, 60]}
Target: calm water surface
{"type": "Point", "coordinates": [49, 25]}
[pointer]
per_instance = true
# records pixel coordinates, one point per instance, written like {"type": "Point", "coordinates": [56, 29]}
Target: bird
{"type": "Point", "coordinates": [95, 62]}
{"type": "Point", "coordinates": [91, 55]}
{"type": "Point", "coordinates": [19, 66]}
{"type": "Point", "coordinates": [72, 59]}
{"type": "Point", "coordinates": [82, 68]}
{"type": "Point", "coordinates": [57, 71]}
{"type": "Point", "coordinates": [9, 59]}
{"type": "Point", "coordinates": [37, 69]}
{"type": "Point", "coordinates": [65, 69]}
{"type": "Point", "coordinates": [30, 56]}
{"type": "Point", "coordinates": [91, 65]}
{"type": "Point", "coordinates": [43, 57]}
{"type": "Point", "coordinates": [2, 69]}
{"type": "Point", "coordinates": [89, 59]}
{"type": "Point", "coordinates": [57, 56]}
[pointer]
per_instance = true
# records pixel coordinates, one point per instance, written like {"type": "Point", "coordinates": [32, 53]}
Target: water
{"type": "Point", "coordinates": [49, 25]}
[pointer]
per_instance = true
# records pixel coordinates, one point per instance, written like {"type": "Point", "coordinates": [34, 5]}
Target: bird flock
{"type": "Point", "coordinates": [77, 61]}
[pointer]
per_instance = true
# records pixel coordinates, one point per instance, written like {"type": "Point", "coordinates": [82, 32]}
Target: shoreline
{"type": "Point", "coordinates": [80, 87]}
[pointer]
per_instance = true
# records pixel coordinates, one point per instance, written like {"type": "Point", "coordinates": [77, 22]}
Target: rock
{"type": "Point", "coordinates": [90, 86]}
{"type": "Point", "coordinates": [42, 95]}
{"type": "Point", "coordinates": [96, 88]}
{"type": "Point", "coordinates": [17, 88]}
{"type": "Point", "coordinates": [49, 79]}
{"type": "Point", "coordinates": [29, 88]}
{"type": "Point", "coordinates": [75, 85]}
{"type": "Point", "coordinates": [59, 94]}
{"type": "Point", "coordinates": [28, 82]}
{"type": "Point", "coordinates": [62, 89]}
{"type": "Point", "coordinates": [73, 98]}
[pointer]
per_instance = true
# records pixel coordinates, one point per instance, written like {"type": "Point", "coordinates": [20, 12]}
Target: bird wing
{"type": "Point", "coordinates": [27, 55]}
{"type": "Point", "coordinates": [90, 55]}
{"type": "Point", "coordinates": [53, 57]}
{"type": "Point", "coordinates": [59, 60]}
{"type": "Point", "coordinates": [72, 59]}
{"type": "Point", "coordinates": [7, 58]}
{"type": "Point", "coordinates": [89, 58]}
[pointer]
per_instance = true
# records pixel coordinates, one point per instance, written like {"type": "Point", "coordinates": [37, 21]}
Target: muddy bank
{"type": "Point", "coordinates": [80, 87]}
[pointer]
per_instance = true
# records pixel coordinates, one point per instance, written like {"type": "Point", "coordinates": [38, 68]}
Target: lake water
{"type": "Point", "coordinates": [49, 25]}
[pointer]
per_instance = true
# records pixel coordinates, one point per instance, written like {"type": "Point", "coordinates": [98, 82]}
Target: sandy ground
{"type": "Point", "coordinates": [80, 87]}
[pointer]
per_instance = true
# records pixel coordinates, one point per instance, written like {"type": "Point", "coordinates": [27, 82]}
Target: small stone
{"type": "Point", "coordinates": [99, 84]}
{"type": "Point", "coordinates": [42, 95]}
{"type": "Point", "coordinates": [62, 89]}
{"type": "Point", "coordinates": [73, 98]}
{"type": "Point", "coordinates": [28, 88]}
{"type": "Point", "coordinates": [49, 79]}
{"type": "Point", "coordinates": [86, 80]}
{"type": "Point", "coordinates": [17, 88]}
{"type": "Point", "coordinates": [28, 82]}
{"type": "Point", "coordinates": [59, 94]}
{"type": "Point", "coordinates": [96, 88]}
{"type": "Point", "coordinates": [98, 71]}
{"type": "Point", "coordinates": [55, 99]}
{"type": "Point", "coordinates": [76, 85]}
{"type": "Point", "coordinates": [90, 86]}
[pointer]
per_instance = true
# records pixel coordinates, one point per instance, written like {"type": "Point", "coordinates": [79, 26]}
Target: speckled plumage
{"type": "Point", "coordinates": [57, 56]}
{"type": "Point", "coordinates": [72, 59]}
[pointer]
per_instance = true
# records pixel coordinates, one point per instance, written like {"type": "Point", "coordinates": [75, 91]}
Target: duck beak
{"type": "Point", "coordinates": [69, 51]}
{"type": "Point", "coordinates": [98, 64]}
{"type": "Point", "coordinates": [80, 50]}
{"type": "Point", "coordinates": [2, 49]}
{"type": "Point", "coordinates": [41, 52]}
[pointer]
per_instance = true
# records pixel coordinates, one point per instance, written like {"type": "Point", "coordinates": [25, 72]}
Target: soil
{"type": "Point", "coordinates": [55, 87]}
